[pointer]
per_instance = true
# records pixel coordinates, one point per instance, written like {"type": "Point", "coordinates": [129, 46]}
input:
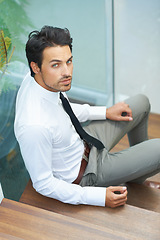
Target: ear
{"type": "Point", "coordinates": [35, 67]}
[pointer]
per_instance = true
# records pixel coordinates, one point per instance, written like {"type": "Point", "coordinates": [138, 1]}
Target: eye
{"type": "Point", "coordinates": [55, 65]}
{"type": "Point", "coordinates": [69, 61]}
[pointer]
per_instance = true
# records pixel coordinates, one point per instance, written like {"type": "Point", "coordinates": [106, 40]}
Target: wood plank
{"type": "Point", "coordinates": [143, 197]}
{"type": "Point", "coordinates": [155, 178]}
{"type": "Point", "coordinates": [138, 195]}
{"type": "Point", "coordinates": [29, 222]}
{"type": "Point", "coordinates": [4, 236]}
{"type": "Point", "coordinates": [128, 219]}
{"type": "Point", "coordinates": [154, 126]}
{"type": "Point", "coordinates": [37, 228]}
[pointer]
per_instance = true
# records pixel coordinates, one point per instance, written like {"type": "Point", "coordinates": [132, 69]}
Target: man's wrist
{"type": "Point", "coordinates": [107, 113]}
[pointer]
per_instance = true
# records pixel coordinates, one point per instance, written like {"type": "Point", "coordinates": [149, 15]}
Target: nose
{"type": "Point", "coordinates": [65, 70]}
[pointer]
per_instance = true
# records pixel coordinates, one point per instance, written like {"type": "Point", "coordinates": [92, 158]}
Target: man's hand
{"type": "Point", "coordinates": [119, 112]}
{"type": "Point", "coordinates": [116, 196]}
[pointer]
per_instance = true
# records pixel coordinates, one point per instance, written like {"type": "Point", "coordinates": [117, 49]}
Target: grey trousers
{"type": "Point", "coordinates": [140, 161]}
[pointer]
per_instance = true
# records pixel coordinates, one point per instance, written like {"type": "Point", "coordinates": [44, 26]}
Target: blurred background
{"type": "Point", "coordinates": [116, 54]}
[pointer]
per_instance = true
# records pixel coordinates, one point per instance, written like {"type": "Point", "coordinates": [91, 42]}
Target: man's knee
{"type": "Point", "coordinates": [145, 101]}
{"type": "Point", "coordinates": [139, 104]}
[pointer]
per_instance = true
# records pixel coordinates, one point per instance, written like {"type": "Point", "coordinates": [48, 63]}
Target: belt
{"type": "Point", "coordinates": [83, 163]}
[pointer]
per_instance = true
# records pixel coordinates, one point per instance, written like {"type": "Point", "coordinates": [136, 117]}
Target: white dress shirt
{"type": "Point", "coordinates": [51, 148]}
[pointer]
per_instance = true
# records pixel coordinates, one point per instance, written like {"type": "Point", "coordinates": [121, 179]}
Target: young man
{"type": "Point", "coordinates": [60, 163]}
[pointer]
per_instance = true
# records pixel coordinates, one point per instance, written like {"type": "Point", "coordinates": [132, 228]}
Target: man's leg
{"type": "Point", "coordinates": [133, 164]}
{"type": "Point", "coordinates": [137, 162]}
{"type": "Point", "coordinates": [110, 132]}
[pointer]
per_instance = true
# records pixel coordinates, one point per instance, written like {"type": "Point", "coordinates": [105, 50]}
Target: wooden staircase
{"type": "Point", "coordinates": [23, 221]}
{"type": "Point", "coordinates": [38, 217]}
{"type": "Point", "coordinates": [64, 221]}
{"type": "Point", "coordinates": [27, 222]}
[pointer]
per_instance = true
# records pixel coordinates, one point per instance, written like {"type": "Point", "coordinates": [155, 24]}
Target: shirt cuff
{"type": "Point", "coordinates": [97, 113]}
{"type": "Point", "coordinates": [95, 196]}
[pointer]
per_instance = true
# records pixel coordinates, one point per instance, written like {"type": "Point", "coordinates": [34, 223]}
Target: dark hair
{"type": "Point", "coordinates": [47, 37]}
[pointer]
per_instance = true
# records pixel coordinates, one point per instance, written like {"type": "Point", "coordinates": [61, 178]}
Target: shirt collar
{"type": "Point", "coordinates": [49, 95]}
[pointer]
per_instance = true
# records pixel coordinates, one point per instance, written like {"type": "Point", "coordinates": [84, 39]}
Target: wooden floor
{"type": "Point", "coordinates": [39, 217]}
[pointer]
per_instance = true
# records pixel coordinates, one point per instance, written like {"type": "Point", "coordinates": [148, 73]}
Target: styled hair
{"type": "Point", "coordinates": [48, 36]}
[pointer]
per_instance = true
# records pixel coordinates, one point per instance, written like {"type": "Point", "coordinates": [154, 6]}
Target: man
{"type": "Point", "coordinates": [61, 164]}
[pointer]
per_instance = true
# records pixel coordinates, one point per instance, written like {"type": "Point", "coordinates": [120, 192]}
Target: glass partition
{"type": "Point", "coordinates": [13, 25]}
{"type": "Point", "coordinates": [90, 24]}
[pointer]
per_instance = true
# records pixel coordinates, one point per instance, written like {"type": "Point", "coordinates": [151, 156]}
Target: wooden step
{"type": "Point", "coordinates": [4, 236]}
{"type": "Point", "coordinates": [27, 222]}
{"type": "Point", "coordinates": [138, 195]}
{"type": "Point", "coordinates": [138, 223]}
{"type": "Point", "coordinates": [143, 197]}
{"type": "Point", "coordinates": [155, 178]}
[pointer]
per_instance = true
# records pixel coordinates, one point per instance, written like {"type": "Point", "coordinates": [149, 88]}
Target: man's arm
{"type": "Point", "coordinates": [119, 112]}
{"type": "Point", "coordinates": [36, 144]}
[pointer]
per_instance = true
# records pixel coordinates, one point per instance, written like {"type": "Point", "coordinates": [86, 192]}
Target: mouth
{"type": "Point", "coordinates": [66, 81]}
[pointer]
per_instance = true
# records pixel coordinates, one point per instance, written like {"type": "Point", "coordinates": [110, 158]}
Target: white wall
{"type": "Point", "coordinates": [1, 194]}
{"type": "Point", "coordinates": [137, 50]}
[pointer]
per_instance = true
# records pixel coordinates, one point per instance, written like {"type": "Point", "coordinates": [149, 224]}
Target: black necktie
{"type": "Point", "coordinates": [85, 136]}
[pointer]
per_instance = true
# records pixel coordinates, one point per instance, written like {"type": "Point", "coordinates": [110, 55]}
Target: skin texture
{"type": "Point", "coordinates": [55, 74]}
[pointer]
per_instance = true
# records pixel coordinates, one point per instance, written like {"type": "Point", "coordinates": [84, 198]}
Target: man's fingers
{"type": "Point", "coordinates": [119, 200]}
{"type": "Point", "coordinates": [127, 119]}
{"type": "Point", "coordinates": [118, 188]}
{"type": "Point", "coordinates": [116, 196]}
{"type": "Point", "coordinates": [121, 196]}
{"type": "Point", "coordinates": [120, 203]}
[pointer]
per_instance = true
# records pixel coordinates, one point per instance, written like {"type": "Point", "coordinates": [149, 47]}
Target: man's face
{"type": "Point", "coordinates": [56, 70]}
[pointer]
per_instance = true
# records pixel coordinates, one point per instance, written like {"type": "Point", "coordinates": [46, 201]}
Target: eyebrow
{"type": "Point", "coordinates": [57, 60]}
